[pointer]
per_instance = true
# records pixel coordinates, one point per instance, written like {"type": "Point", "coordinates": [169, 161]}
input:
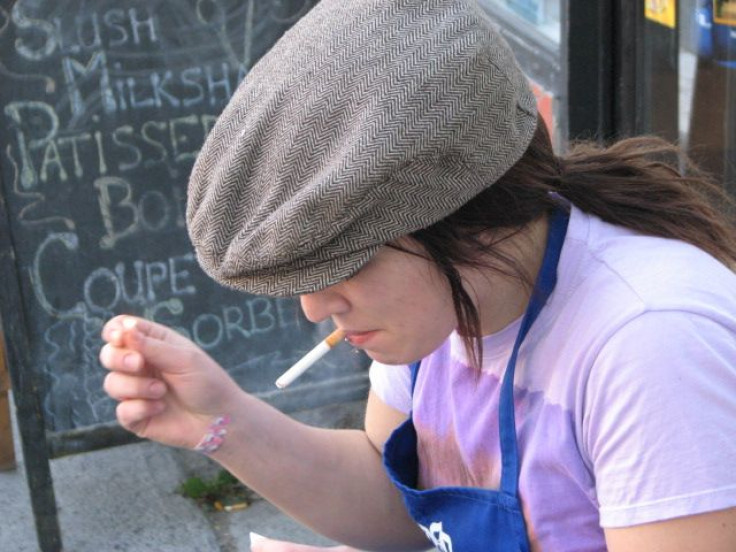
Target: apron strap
{"type": "Point", "coordinates": [414, 373]}
{"type": "Point", "coordinates": [543, 287]}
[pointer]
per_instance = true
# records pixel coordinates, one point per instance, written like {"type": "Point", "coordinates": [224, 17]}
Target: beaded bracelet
{"type": "Point", "coordinates": [214, 437]}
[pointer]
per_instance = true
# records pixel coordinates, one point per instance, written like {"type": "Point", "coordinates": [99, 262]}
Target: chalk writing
{"type": "Point", "coordinates": [44, 116]}
{"type": "Point", "coordinates": [105, 107]}
{"type": "Point", "coordinates": [107, 289]}
{"type": "Point", "coordinates": [69, 241]}
{"type": "Point", "coordinates": [27, 215]}
{"type": "Point", "coordinates": [151, 212]}
{"type": "Point", "coordinates": [45, 154]}
{"type": "Point", "coordinates": [39, 39]}
{"type": "Point", "coordinates": [212, 84]}
{"type": "Point", "coordinates": [159, 286]}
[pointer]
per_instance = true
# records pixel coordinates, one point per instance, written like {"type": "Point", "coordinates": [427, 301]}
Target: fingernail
{"type": "Point", "coordinates": [129, 323]}
{"type": "Point", "coordinates": [131, 362]}
{"type": "Point", "coordinates": [105, 354]}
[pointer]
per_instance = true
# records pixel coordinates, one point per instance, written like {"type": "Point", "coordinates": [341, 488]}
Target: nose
{"type": "Point", "coordinates": [323, 304]}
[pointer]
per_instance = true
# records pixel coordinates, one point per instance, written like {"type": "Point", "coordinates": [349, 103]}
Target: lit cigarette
{"type": "Point", "coordinates": [310, 358]}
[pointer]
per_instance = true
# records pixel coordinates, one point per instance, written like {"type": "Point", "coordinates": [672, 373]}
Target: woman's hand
{"type": "Point", "coordinates": [169, 390]}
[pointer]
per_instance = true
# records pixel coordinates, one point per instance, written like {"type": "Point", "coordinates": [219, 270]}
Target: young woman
{"type": "Point", "coordinates": [554, 337]}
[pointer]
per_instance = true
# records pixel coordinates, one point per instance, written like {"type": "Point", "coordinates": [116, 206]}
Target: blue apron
{"type": "Point", "coordinates": [465, 519]}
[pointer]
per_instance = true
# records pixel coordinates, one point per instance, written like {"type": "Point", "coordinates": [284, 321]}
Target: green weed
{"type": "Point", "coordinates": [221, 492]}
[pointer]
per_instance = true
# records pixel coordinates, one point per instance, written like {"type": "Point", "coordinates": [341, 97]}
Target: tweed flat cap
{"type": "Point", "coordinates": [368, 120]}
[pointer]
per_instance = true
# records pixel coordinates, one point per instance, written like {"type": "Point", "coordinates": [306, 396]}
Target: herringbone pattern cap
{"type": "Point", "coordinates": [368, 120]}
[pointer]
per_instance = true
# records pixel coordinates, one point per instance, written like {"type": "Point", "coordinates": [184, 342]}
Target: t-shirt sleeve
{"type": "Point", "coordinates": [659, 424]}
{"type": "Point", "coordinates": [392, 384]}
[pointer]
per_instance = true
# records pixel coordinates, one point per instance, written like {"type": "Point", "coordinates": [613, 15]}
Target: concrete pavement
{"type": "Point", "coordinates": [125, 499]}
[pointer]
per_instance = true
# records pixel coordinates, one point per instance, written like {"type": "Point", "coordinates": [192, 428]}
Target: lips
{"type": "Point", "coordinates": [358, 339]}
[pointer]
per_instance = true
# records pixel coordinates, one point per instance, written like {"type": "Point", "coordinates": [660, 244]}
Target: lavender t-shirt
{"type": "Point", "coordinates": [624, 392]}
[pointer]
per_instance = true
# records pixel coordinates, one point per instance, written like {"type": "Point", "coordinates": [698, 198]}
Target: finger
{"type": "Point", "coordinates": [112, 331]}
{"type": "Point", "coordinates": [153, 330]}
{"type": "Point", "coordinates": [122, 360]}
{"type": "Point", "coordinates": [125, 387]}
{"type": "Point", "coordinates": [118, 329]}
{"type": "Point", "coordinates": [165, 355]}
{"type": "Point", "coordinates": [134, 415]}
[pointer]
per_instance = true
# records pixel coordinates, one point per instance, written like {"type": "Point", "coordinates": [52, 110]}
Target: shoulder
{"type": "Point", "coordinates": [614, 283]}
{"type": "Point", "coordinates": [620, 274]}
{"type": "Point", "coordinates": [651, 265]}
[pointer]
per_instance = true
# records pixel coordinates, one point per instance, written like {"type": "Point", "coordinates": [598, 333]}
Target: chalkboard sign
{"type": "Point", "coordinates": [105, 106]}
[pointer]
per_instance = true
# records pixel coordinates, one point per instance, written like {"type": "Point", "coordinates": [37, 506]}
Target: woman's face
{"type": "Point", "coordinates": [397, 308]}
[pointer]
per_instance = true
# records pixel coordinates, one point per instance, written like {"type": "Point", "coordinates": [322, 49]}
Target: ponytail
{"type": "Point", "coordinates": [637, 183]}
{"type": "Point", "coordinates": [646, 184]}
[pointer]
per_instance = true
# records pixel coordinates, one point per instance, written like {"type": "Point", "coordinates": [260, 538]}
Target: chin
{"type": "Point", "coordinates": [392, 358]}
{"type": "Point", "coordinates": [409, 353]}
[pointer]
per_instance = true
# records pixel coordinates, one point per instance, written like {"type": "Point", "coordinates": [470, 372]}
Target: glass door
{"type": "Point", "coordinates": [707, 61]}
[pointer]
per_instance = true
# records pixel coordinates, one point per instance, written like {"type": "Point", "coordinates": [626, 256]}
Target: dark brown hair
{"type": "Point", "coordinates": [646, 184]}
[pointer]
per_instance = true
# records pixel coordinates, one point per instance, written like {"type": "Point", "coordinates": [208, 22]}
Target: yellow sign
{"type": "Point", "coordinates": [724, 12]}
{"type": "Point", "coordinates": [662, 11]}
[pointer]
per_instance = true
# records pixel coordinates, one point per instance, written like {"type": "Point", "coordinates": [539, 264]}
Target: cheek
{"type": "Point", "coordinates": [435, 322]}
{"type": "Point", "coordinates": [430, 316]}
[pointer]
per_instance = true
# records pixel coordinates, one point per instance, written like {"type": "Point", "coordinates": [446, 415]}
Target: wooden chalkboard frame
{"type": "Point", "coordinates": [7, 445]}
{"type": "Point", "coordinates": [24, 382]}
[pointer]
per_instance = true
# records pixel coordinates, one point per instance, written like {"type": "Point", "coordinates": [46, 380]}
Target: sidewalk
{"type": "Point", "coordinates": [125, 499]}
